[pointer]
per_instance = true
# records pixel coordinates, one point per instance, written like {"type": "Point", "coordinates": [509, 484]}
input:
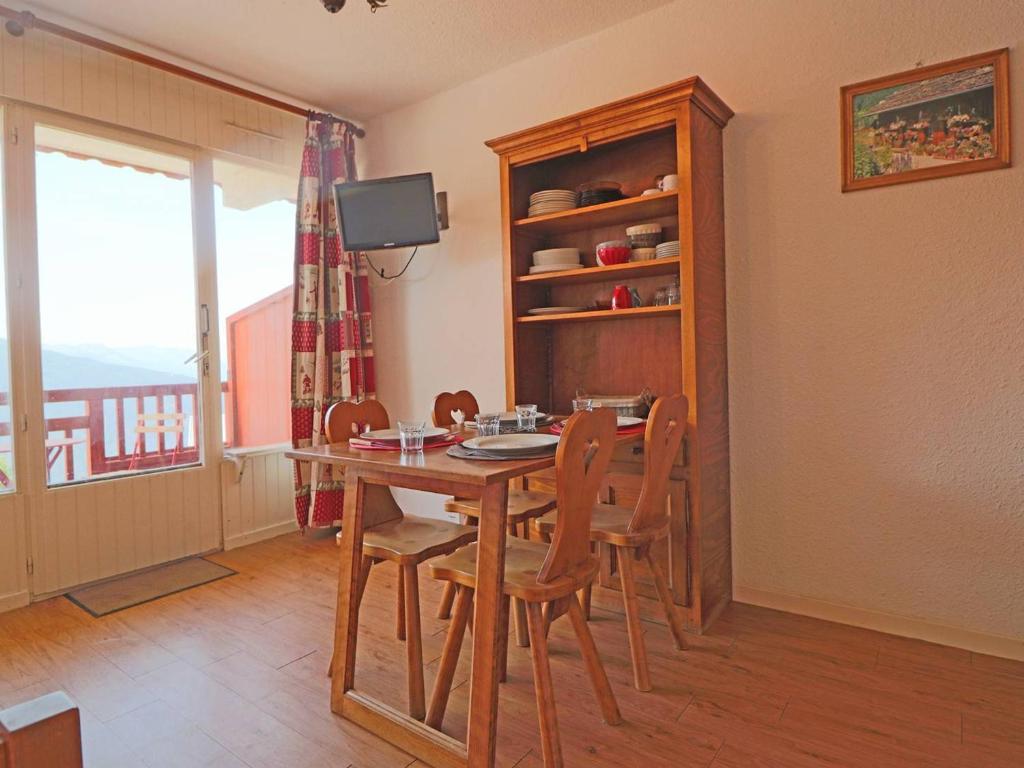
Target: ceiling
{"type": "Point", "coordinates": [356, 63]}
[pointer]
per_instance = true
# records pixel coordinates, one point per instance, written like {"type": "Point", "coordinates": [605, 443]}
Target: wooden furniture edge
{"type": "Point", "coordinates": [419, 740]}
{"type": "Point", "coordinates": [48, 728]}
{"type": "Point", "coordinates": [692, 88]}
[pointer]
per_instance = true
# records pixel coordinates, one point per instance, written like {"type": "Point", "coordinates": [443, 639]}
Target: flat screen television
{"type": "Point", "coordinates": [387, 213]}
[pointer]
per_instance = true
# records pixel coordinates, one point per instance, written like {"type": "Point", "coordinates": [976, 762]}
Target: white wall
{"type": "Point", "coordinates": [876, 338]}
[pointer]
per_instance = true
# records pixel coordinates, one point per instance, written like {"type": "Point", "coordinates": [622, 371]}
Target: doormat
{"type": "Point", "coordinates": [137, 588]}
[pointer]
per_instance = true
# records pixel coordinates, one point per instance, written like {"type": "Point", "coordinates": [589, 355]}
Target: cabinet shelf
{"type": "Point", "coordinates": [632, 210]}
{"type": "Point", "coordinates": [602, 314]}
{"type": "Point", "coordinates": [632, 269]}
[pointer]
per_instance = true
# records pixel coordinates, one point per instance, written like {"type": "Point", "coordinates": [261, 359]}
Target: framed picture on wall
{"type": "Point", "coordinates": [940, 120]}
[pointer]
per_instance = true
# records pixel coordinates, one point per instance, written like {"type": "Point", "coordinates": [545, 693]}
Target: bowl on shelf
{"type": "Point", "coordinates": [550, 256]}
{"type": "Point", "coordinates": [643, 254]}
{"type": "Point", "coordinates": [612, 252]}
{"type": "Point", "coordinates": [643, 235]}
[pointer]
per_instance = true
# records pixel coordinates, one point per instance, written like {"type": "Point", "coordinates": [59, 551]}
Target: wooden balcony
{"type": "Point", "coordinates": [103, 436]}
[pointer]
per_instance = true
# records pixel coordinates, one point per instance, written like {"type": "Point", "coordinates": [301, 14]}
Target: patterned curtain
{"type": "Point", "coordinates": [332, 341]}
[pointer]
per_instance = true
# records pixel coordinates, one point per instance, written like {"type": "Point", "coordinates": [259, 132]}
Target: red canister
{"type": "Point", "coordinates": [621, 298]}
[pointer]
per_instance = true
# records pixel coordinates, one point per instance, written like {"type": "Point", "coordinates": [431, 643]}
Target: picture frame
{"type": "Point", "coordinates": [941, 120]}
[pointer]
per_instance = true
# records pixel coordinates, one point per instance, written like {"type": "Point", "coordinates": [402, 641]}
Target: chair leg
{"type": "Point", "coordinates": [598, 677]}
{"type": "Point", "coordinates": [641, 674]}
{"type": "Point", "coordinates": [585, 596]}
{"type": "Point", "coordinates": [551, 747]}
{"type": "Point", "coordinates": [512, 529]}
{"type": "Point", "coordinates": [414, 643]}
{"type": "Point", "coordinates": [364, 576]}
{"type": "Point", "coordinates": [450, 657]}
{"type": "Point", "coordinates": [671, 613]}
{"type": "Point", "coordinates": [522, 633]}
{"type": "Point", "coordinates": [444, 608]}
{"type": "Point", "coordinates": [503, 660]}
{"type": "Point", "coordinates": [400, 622]}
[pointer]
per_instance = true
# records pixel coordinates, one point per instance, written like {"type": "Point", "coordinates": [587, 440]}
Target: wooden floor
{"type": "Point", "coordinates": [231, 674]}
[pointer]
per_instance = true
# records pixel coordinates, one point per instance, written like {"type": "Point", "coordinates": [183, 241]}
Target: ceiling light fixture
{"type": "Point", "coordinates": [334, 6]}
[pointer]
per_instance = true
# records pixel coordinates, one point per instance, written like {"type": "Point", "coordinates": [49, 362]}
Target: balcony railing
{"type": "Point", "coordinates": [91, 432]}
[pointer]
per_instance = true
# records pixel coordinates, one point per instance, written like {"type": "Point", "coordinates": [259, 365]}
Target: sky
{"type": "Point", "coordinates": [116, 256]}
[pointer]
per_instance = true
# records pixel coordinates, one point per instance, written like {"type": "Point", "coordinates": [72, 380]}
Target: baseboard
{"type": "Point", "coordinates": [260, 534]}
{"type": "Point", "coordinates": [13, 600]}
{"type": "Point", "coordinates": [920, 629]}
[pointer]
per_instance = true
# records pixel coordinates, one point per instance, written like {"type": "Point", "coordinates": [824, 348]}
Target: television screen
{"type": "Point", "coordinates": [387, 213]}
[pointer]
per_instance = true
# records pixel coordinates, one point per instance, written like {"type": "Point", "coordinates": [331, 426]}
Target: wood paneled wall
{"type": "Point", "coordinates": [49, 71]}
{"type": "Point", "coordinates": [13, 578]}
{"type": "Point", "coordinates": [258, 495]}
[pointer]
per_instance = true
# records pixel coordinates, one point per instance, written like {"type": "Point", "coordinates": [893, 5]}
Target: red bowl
{"type": "Point", "coordinates": [615, 254]}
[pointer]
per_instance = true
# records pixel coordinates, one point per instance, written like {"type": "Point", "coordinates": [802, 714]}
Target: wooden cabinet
{"type": "Point", "coordinates": [666, 349]}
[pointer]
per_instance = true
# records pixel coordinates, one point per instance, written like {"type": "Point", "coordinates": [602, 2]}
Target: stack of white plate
{"type": "Point", "coordinates": [551, 201]}
{"type": "Point", "coordinates": [667, 250]}
{"type": "Point", "coordinates": [555, 260]}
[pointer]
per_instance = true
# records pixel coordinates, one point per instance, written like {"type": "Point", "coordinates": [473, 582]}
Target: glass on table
{"type": "Point", "coordinates": [526, 415]}
{"type": "Point", "coordinates": [410, 435]}
{"type": "Point", "coordinates": [582, 404]}
{"type": "Point", "coordinates": [488, 424]}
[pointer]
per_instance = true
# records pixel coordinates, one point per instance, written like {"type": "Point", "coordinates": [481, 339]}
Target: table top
{"type": "Point", "coordinates": [431, 463]}
{"type": "Point", "coordinates": [434, 463]}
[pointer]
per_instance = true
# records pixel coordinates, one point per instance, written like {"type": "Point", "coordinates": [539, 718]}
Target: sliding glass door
{"type": "Point", "coordinates": [114, 404]}
{"type": "Point", "coordinates": [117, 307]}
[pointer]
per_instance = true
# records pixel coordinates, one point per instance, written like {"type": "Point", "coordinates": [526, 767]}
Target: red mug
{"type": "Point", "coordinates": [621, 298]}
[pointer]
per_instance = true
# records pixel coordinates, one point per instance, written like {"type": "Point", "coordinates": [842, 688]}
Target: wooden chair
{"type": "Point", "coordinates": [632, 532]}
{"type": "Point", "coordinates": [542, 575]}
{"type": "Point", "coordinates": [523, 506]}
{"type": "Point", "coordinates": [402, 539]}
{"type": "Point", "coordinates": [158, 424]}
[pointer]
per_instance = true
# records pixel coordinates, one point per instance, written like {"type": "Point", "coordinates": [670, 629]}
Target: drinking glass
{"type": "Point", "coordinates": [672, 294]}
{"type": "Point", "coordinates": [410, 435]}
{"type": "Point", "coordinates": [488, 424]}
{"type": "Point", "coordinates": [527, 417]}
{"type": "Point", "coordinates": [582, 404]}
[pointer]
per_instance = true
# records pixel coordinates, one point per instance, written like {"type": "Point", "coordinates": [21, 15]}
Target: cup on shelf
{"type": "Point", "coordinates": [488, 424]}
{"type": "Point", "coordinates": [410, 435]}
{"type": "Point", "coordinates": [526, 415]}
{"type": "Point", "coordinates": [621, 298]}
{"type": "Point", "coordinates": [672, 294]}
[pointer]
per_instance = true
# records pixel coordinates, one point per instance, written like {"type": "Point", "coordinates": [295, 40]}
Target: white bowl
{"type": "Point", "coordinates": [642, 254]}
{"type": "Point", "coordinates": [644, 229]}
{"type": "Point", "coordinates": [556, 256]}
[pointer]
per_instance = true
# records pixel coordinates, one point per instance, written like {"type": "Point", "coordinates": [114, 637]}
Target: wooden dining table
{"type": "Point", "coordinates": [434, 471]}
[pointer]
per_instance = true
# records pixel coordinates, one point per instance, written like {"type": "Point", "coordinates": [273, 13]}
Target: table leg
{"type": "Point", "coordinates": [487, 624]}
{"type": "Point", "coordinates": [346, 625]}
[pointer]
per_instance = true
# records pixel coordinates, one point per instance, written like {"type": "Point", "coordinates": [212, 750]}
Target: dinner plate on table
{"type": "Point", "coordinates": [624, 422]}
{"type": "Point", "coordinates": [392, 434]}
{"type": "Point", "coordinates": [513, 444]}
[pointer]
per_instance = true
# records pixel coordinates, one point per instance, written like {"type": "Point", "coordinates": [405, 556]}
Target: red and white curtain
{"type": "Point", "coordinates": [332, 340]}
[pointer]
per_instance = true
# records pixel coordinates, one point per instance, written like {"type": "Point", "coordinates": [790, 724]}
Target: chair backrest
{"type": "Point", "coordinates": [159, 422]}
{"type": "Point", "coordinates": [447, 402]}
{"type": "Point", "coordinates": [581, 461]}
{"type": "Point", "coordinates": [666, 427]}
{"type": "Point", "coordinates": [346, 420]}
